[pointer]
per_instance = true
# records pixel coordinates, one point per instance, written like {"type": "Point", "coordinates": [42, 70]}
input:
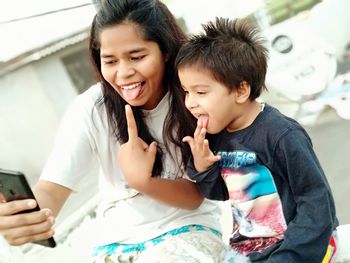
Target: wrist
{"type": "Point", "coordinates": [141, 184]}
{"type": "Point", "coordinates": [200, 169]}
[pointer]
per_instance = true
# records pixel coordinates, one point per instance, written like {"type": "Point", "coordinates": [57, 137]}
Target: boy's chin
{"type": "Point", "coordinates": [212, 132]}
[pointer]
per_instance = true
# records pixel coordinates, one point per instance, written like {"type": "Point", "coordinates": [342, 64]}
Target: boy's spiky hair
{"type": "Point", "coordinates": [232, 50]}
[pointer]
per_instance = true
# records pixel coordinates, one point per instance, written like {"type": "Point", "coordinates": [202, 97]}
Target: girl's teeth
{"type": "Point", "coordinates": [132, 86]}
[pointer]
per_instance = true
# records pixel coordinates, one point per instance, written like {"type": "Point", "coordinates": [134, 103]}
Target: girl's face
{"type": "Point", "coordinates": [133, 66]}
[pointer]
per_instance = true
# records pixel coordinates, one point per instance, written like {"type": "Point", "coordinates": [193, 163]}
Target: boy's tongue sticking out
{"type": "Point", "coordinates": [203, 119]}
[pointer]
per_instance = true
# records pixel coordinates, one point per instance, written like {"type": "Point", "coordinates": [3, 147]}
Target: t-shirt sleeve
{"type": "Point", "coordinates": [210, 182]}
{"type": "Point", "coordinates": [73, 154]}
{"type": "Point", "coordinates": [308, 233]}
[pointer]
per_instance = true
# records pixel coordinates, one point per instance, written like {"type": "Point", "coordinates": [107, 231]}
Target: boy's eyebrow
{"type": "Point", "coordinates": [130, 52]}
{"type": "Point", "coordinates": [199, 86]}
{"type": "Point", "coordinates": [195, 86]}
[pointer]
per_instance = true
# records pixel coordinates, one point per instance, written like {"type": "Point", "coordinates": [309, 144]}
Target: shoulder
{"type": "Point", "coordinates": [85, 107]}
{"type": "Point", "coordinates": [277, 124]}
{"type": "Point", "coordinates": [90, 97]}
{"type": "Point", "coordinates": [274, 128]}
{"type": "Point", "coordinates": [87, 101]}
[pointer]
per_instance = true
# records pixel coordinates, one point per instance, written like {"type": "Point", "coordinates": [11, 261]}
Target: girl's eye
{"type": "Point", "coordinates": [137, 58]}
{"type": "Point", "coordinates": [201, 93]}
{"type": "Point", "coordinates": [109, 62]}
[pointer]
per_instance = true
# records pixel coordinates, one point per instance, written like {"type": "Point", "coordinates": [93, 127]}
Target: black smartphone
{"type": "Point", "coordinates": [14, 186]}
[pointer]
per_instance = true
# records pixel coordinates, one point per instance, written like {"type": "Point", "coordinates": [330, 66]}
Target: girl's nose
{"type": "Point", "coordinates": [125, 70]}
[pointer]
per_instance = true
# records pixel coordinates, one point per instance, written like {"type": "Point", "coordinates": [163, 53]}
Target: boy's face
{"type": "Point", "coordinates": [207, 99]}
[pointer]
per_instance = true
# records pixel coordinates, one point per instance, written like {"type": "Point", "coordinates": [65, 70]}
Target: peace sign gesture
{"type": "Point", "coordinates": [135, 157]}
{"type": "Point", "coordinates": [203, 157]}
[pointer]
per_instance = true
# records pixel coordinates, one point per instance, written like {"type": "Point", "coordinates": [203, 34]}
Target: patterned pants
{"type": "Point", "coordinates": [188, 244]}
{"type": "Point", "coordinates": [233, 256]}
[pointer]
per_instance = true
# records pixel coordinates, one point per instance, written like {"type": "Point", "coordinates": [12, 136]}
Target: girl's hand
{"type": "Point", "coordinates": [18, 229]}
{"type": "Point", "coordinates": [135, 157]}
{"type": "Point", "coordinates": [203, 157]}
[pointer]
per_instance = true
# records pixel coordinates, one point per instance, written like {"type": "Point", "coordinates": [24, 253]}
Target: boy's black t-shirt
{"type": "Point", "coordinates": [283, 206]}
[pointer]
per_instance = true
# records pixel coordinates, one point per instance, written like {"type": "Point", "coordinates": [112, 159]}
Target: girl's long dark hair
{"type": "Point", "coordinates": [157, 24]}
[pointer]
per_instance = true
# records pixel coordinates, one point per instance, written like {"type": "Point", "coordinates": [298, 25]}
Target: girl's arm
{"type": "Point", "coordinates": [51, 195]}
{"type": "Point", "coordinates": [180, 193]}
{"type": "Point", "coordinates": [136, 159]}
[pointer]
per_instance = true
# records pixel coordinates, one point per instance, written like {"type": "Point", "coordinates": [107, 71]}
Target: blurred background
{"type": "Point", "coordinates": [44, 65]}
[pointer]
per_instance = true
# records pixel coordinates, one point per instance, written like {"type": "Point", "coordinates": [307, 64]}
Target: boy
{"type": "Point", "coordinates": [261, 160]}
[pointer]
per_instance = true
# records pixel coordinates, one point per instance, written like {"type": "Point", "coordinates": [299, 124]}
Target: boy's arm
{"type": "Point", "coordinates": [210, 182]}
{"type": "Point", "coordinates": [308, 233]}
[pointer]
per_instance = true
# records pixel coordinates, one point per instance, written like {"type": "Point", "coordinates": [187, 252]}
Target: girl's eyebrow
{"type": "Point", "coordinates": [105, 56]}
{"type": "Point", "coordinates": [132, 51]}
{"type": "Point", "coordinates": [137, 50]}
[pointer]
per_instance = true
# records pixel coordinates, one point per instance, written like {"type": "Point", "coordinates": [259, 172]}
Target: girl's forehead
{"type": "Point", "coordinates": [122, 37]}
{"type": "Point", "coordinates": [124, 29]}
{"type": "Point", "coordinates": [124, 40]}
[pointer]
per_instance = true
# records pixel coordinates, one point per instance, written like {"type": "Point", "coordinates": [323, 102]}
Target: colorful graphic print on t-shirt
{"type": "Point", "coordinates": [256, 206]}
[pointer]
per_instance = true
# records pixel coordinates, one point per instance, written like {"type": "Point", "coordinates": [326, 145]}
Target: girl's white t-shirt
{"type": "Point", "coordinates": [84, 141]}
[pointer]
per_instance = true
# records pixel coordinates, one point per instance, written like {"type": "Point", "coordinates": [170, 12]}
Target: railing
{"type": "Point", "coordinates": [74, 237]}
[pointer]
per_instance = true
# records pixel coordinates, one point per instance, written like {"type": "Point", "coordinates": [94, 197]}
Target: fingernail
{"type": "Point", "coordinates": [47, 213]}
{"type": "Point", "coordinates": [31, 204]}
{"type": "Point", "coordinates": [52, 220]}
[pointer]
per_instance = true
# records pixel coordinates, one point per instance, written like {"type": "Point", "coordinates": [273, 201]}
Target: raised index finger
{"type": "Point", "coordinates": [132, 127]}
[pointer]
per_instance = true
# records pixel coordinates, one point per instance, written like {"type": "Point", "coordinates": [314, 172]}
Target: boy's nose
{"type": "Point", "coordinates": [190, 102]}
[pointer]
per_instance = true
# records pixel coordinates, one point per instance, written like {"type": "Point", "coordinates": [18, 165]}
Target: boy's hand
{"type": "Point", "coordinates": [203, 157]}
{"type": "Point", "coordinates": [135, 157]}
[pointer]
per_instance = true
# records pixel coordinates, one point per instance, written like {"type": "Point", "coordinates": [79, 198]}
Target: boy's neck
{"type": "Point", "coordinates": [247, 114]}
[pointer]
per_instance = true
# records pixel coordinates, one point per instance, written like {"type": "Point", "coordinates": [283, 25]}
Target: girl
{"type": "Point", "coordinates": [162, 218]}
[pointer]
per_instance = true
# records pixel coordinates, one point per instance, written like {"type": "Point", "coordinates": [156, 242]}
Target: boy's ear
{"type": "Point", "coordinates": [242, 92]}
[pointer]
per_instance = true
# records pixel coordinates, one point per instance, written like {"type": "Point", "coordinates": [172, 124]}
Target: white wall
{"type": "Point", "coordinates": [331, 20]}
{"type": "Point", "coordinates": [197, 12]}
{"type": "Point", "coordinates": [32, 101]}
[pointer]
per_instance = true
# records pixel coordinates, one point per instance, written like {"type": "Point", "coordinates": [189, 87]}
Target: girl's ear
{"type": "Point", "coordinates": [242, 92]}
